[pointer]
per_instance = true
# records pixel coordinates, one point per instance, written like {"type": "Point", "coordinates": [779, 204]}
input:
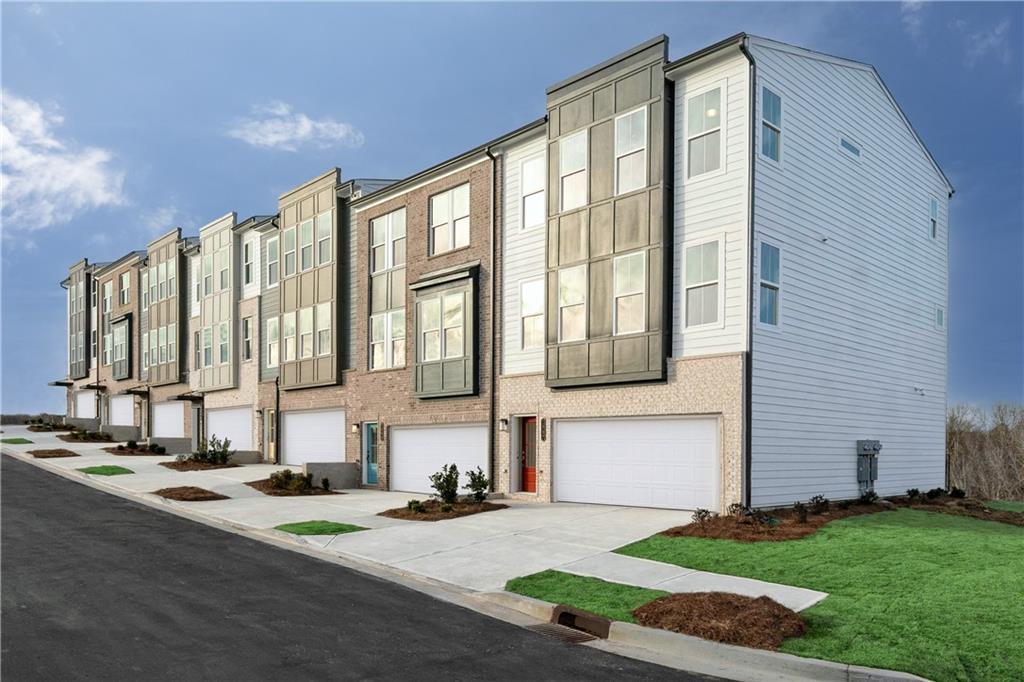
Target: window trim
{"type": "Point", "coordinates": [389, 241]}
{"type": "Point", "coordinates": [585, 304]}
{"type": "Point", "coordinates": [585, 170]}
{"type": "Point", "coordinates": [277, 261]}
{"type": "Point", "coordinates": [700, 241]}
{"type": "Point", "coordinates": [944, 325]}
{"type": "Point", "coordinates": [933, 218]}
{"type": "Point", "coordinates": [775, 285]}
{"type": "Point", "coordinates": [615, 152]}
{"type": "Point", "coordinates": [247, 264]}
{"type": "Point", "coordinates": [273, 347]}
{"type": "Point", "coordinates": [765, 122]}
{"type": "Point", "coordinates": [543, 191]}
{"type": "Point", "coordinates": [302, 246]}
{"type": "Point", "coordinates": [542, 315]}
{"type": "Point", "coordinates": [723, 102]}
{"type": "Point", "coordinates": [246, 339]}
{"type": "Point", "coordinates": [318, 350]}
{"type": "Point", "coordinates": [318, 240]}
{"type": "Point", "coordinates": [284, 253]}
{"type": "Point", "coordinates": [284, 355]}
{"type": "Point", "coordinates": [388, 341]}
{"type": "Point", "coordinates": [616, 296]}
{"type": "Point", "coordinates": [124, 293]}
{"type": "Point", "coordinates": [452, 219]}
{"type": "Point", "coordinates": [842, 138]}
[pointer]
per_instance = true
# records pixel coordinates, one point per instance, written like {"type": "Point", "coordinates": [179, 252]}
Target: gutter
{"type": "Point", "coordinates": [491, 278]}
{"type": "Point", "coordinates": [748, 356]}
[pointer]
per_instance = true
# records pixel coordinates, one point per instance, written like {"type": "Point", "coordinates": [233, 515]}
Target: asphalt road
{"type": "Point", "coordinates": [99, 588]}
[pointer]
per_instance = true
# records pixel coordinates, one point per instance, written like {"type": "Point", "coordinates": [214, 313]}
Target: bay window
{"type": "Point", "coordinates": [323, 329]}
{"type": "Point", "coordinates": [630, 293]}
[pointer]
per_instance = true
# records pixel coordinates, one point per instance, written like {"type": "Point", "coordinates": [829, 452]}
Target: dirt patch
{"type": "Point", "coordinates": [431, 511]}
{"type": "Point", "coordinates": [136, 452]}
{"type": "Point", "coordinates": [70, 438]}
{"type": "Point", "coordinates": [195, 466]}
{"type": "Point", "coordinates": [189, 493]}
{"type": "Point", "coordinates": [55, 452]}
{"type": "Point", "coordinates": [787, 525]}
{"type": "Point", "coordinates": [757, 622]}
{"type": "Point", "coordinates": [265, 487]}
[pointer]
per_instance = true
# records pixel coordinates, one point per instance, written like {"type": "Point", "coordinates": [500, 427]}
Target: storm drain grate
{"type": "Point", "coordinates": [566, 634]}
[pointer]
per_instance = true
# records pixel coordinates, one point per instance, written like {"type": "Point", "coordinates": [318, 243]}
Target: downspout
{"type": "Point", "coordinates": [748, 357]}
{"type": "Point", "coordinates": [277, 418]}
{"type": "Point", "coordinates": [491, 433]}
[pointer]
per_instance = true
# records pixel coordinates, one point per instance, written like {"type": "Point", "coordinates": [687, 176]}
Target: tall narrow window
{"type": "Point", "coordinates": [247, 264]}
{"type": "Point", "coordinates": [152, 285]}
{"type": "Point", "coordinates": [532, 173]}
{"type": "Point", "coordinates": [704, 133]}
{"type": "Point", "coordinates": [449, 219]}
{"type": "Point", "coordinates": [572, 170]}
{"type": "Point", "coordinates": [108, 294]}
{"type": "Point", "coordinates": [531, 314]}
{"type": "Point", "coordinates": [162, 344]}
{"type": "Point", "coordinates": [223, 271]}
{"type": "Point", "coordinates": [572, 303]}
{"type": "Point", "coordinates": [197, 350]}
{"type": "Point", "coordinates": [208, 347]}
{"type": "Point", "coordinates": [631, 151]}
{"type": "Point", "coordinates": [454, 331]}
{"type": "Point", "coordinates": [323, 329]}
{"type": "Point", "coordinates": [288, 237]}
{"type": "Point", "coordinates": [288, 332]}
{"type": "Point", "coordinates": [145, 350]}
{"type": "Point", "coordinates": [387, 339]}
{"type": "Point", "coordinates": [378, 341]}
{"type": "Point", "coordinates": [430, 330]}
{"type": "Point", "coordinates": [272, 262]}
{"type": "Point", "coordinates": [145, 288]}
{"type": "Point", "coordinates": [208, 275]}
{"type": "Point", "coordinates": [702, 284]}
{"type": "Point", "coordinates": [172, 274]}
{"type": "Point", "coordinates": [161, 271]}
{"type": "Point", "coordinates": [934, 217]}
{"type": "Point", "coordinates": [323, 237]}
{"type": "Point", "coordinates": [126, 287]}
{"type": "Point", "coordinates": [172, 341]}
{"type": "Point", "coordinates": [247, 338]}
{"type": "Point", "coordinates": [306, 245]}
{"type": "Point", "coordinates": [771, 124]}
{"type": "Point", "coordinates": [396, 332]}
{"type": "Point", "coordinates": [154, 344]}
{"type": "Point", "coordinates": [306, 333]}
{"type": "Point", "coordinates": [387, 241]}
{"type": "Point", "coordinates": [770, 283]}
{"type": "Point", "coordinates": [224, 337]}
{"type": "Point", "coordinates": [273, 329]}
{"type": "Point", "coordinates": [940, 318]}
{"type": "Point", "coordinates": [630, 293]}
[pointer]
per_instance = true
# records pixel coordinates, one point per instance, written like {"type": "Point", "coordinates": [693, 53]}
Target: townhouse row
{"type": "Point", "coordinates": [691, 283]}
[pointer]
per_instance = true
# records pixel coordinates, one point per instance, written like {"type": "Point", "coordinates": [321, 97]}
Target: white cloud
{"type": "Point", "coordinates": [276, 126]}
{"type": "Point", "coordinates": [993, 41]}
{"type": "Point", "coordinates": [162, 219]}
{"type": "Point", "coordinates": [912, 18]}
{"type": "Point", "coordinates": [44, 180]}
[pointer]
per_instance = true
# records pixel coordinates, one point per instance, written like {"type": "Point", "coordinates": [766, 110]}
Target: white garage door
{"type": "Point", "coordinates": [418, 452]}
{"type": "Point", "coordinates": [122, 410]}
{"type": "Point", "coordinates": [85, 404]}
{"type": "Point", "coordinates": [669, 463]}
{"type": "Point", "coordinates": [315, 436]}
{"type": "Point", "coordinates": [169, 419]}
{"type": "Point", "coordinates": [233, 423]}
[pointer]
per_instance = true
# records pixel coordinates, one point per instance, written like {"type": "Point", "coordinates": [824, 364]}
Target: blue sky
{"type": "Point", "coordinates": [122, 121]}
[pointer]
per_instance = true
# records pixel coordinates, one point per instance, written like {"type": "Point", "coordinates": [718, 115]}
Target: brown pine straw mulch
{"type": "Point", "coordinates": [70, 438]}
{"type": "Point", "coordinates": [36, 428]}
{"type": "Point", "coordinates": [54, 452]}
{"type": "Point", "coordinates": [745, 529]}
{"type": "Point", "coordinates": [757, 622]}
{"type": "Point", "coordinates": [196, 466]}
{"type": "Point", "coordinates": [190, 493]}
{"type": "Point", "coordinates": [137, 452]}
{"type": "Point", "coordinates": [265, 487]}
{"type": "Point", "coordinates": [432, 511]}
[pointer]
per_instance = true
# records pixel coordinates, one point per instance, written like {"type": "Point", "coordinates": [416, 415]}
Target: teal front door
{"type": "Point", "coordinates": [370, 453]}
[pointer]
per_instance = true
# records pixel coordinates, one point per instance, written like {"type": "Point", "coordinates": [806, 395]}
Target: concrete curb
{"type": "Point", "coordinates": [670, 649]}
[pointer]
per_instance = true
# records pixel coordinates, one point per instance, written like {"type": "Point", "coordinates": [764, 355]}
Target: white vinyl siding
{"type": "Point", "coordinates": [860, 284]}
{"type": "Point", "coordinates": [523, 250]}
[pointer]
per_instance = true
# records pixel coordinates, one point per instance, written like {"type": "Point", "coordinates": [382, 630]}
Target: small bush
{"type": "Point", "coordinates": [935, 492]}
{"type": "Point", "coordinates": [738, 509]}
{"type": "Point", "coordinates": [701, 518]}
{"type": "Point", "coordinates": [181, 458]}
{"type": "Point", "coordinates": [160, 450]}
{"type": "Point", "coordinates": [957, 493]}
{"type": "Point", "coordinates": [152, 447]}
{"type": "Point", "coordinates": [446, 483]}
{"type": "Point", "coordinates": [325, 483]}
{"type": "Point", "coordinates": [800, 511]}
{"type": "Point", "coordinates": [414, 506]}
{"type": "Point", "coordinates": [478, 483]}
{"type": "Point", "coordinates": [762, 518]}
{"type": "Point", "coordinates": [913, 494]}
{"type": "Point", "coordinates": [119, 447]}
{"type": "Point", "coordinates": [846, 504]}
{"type": "Point", "coordinates": [289, 480]}
{"type": "Point", "coordinates": [214, 451]}
{"type": "Point", "coordinates": [819, 504]}
{"type": "Point", "coordinates": [445, 507]}
{"type": "Point", "coordinates": [868, 497]}
{"type": "Point", "coordinates": [132, 445]}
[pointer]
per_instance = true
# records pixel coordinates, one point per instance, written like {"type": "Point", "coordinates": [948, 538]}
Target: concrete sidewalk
{"type": "Point", "coordinates": [480, 552]}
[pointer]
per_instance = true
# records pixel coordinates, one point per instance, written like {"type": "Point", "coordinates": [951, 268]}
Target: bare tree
{"type": "Point", "coordinates": [985, 450]}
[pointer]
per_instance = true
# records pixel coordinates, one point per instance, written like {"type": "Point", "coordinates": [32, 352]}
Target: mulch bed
{"type": "Point", "coordinates": [137, 452]}
{"type": "Point", "coordinates": [196, 466]}
{"type": "Point", "coordinates": [190, 493]}
{"type": "Point", "coordinates": [46, 429]}
{"type": "Point", "coordinates": [55, 452]}
{"type": "Point", "coordinates": [745, 529]}
{"type": "Point", "coordinates": [265, 487]}
{"type": "Point", "coordinates": [757, 622]}
{"type": "Point", "coordinates": [432, 511]}
{"type": "Point", "coordinates": [69, 438]}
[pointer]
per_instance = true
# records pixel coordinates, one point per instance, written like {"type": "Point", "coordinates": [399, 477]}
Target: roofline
{"type": "Point", "coordinates": [399, 185]}
{"type": "Point", "coordinates": [176, 230]}
{"type": "Point", "coordinates": [736, 40]}
{"type": "Point", "coordinates": [232, 214]}
{"type": "Point", "coordinates": [139, 255]}
{"type": "Point", "coordinates": [333, 171]}
{"type": "Point", "coordinates": [636, 49]}
{"type": "Point", "coordinates": [253, 222]}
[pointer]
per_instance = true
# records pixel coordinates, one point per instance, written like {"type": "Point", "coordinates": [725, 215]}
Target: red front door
{"type": "Point", "coordinates": [528, 454]}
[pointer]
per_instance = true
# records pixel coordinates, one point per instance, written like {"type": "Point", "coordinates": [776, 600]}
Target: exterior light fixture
{"type": "Point", "coordinates": [503, 424]}
{"type": "Point", "coordinates": [355, 428]}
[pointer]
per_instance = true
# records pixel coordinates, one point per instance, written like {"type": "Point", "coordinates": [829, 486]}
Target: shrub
{"type": "Point", "coordinates": [800, 511]}
{"type": "Point", "coordinates": [181, 458]}
{"type": "Point", "coordinates": [213, 451]}
{"type": "Point", "coordinates": [762, 518]}
{"type": "Point", "coordinates": [701, 518]}
{"type": "Point", "coordinates": [445, 507]}
{"type": "Point", "coordinates": [160, 450]}
{"type": "Point", "coordinates": [325, 483]}
{"type": "Point", "coordinates": [845, 504]}
{"type": "Point", "coordinates": [868, 497]}
{"type": "Point", "coordinates": [132, 445]}
{"type": "Point", "coordinates": [738, 509]}
{"type": "Point", "coordinates": [289, 480]}
{"type": "Point", "coordinates": [957, 493]}
{"type": "Point", "coordinates": [819, 504]}
{"type": "Point", "coordinates": [478, 483]}
{"type": "Point", "coordinates": [152, 447]}
{"type": "Point", "coordinates": [935, 492]}
{"type": "Point", "coordinates": [414, 506]}
{"type": "Point", "coordinates": [913, 494]}
{"type": "Point", "coordinates": [446, 483]}
{"type": "Point", "coordinates": [119, 447]}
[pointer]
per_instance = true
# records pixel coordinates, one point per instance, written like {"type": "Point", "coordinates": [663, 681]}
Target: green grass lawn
{"type": "Point", "coordinates": [612, 600]}
{"type": "Point", "coordinates": [15, 441]}
{"type": "Point", "coordinates": [106, 470]}
{"type": "Point", "coordinates": [1005, 505]}
{"type": "Point", "coordinates": [318, 528]}
{"type": "Point", "coordinates": [933, 594]}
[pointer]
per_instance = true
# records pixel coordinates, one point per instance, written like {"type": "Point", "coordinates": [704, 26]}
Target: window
{"type": "Point", "coordinates": [124, 295]}
{"type": "Point", "coordinates": [934, 214]}
{"type": "Point", "coordinates": [323, 238]}
{"type": "Point", "coordinates": [161, 270]}
{"type": "Point", "coordinates": [323, 329]}
{"type": "Point", "coordinates": [572, 170]}
{"type": "Point", "coordinates": [273, 329]}
{"type": "Point", "coordinates": [288, 332]}
{"type": "Point", "coordinates": [120, 343]}
{"type": "Point", "coordinates": [145, 350]}
{"type": "Point", "coordinates": [162, 344]}
{"type": "Point", "coordinates": [172, 337]}
{"type": "Point", "coordinates": [770, 281]}
{"type": "Point", "coordinates": [207, 275]}
{"type": "Point", "coordinates": [145, 289]}
{"type": "Point", "coordinates": [208, 347]}
{"type": "Point", "coordinates": [306, 250]}
{"type": "Point", "coordinates": [172, 272]}
{"type": "Point", "coordinates": [247, 338]}
{"type": "Point", "coordinates": [272, 262]}
{"type": "Point", "coordinates": [849, 147]}
{"type": "Point", "coordinates": [531, 314]}
{"type": "Point", "coordinates": [631, 151]}
{"type": "Point", "coordinates": [224, 339]}
{"type": "Point", "coordinates": [108, 294]}
{"type": "Point", "coordinates": [247, 262]}
{"type": "Point", "coordinates": [154, 343]}
{"type": "Point", "coordinates": [289, 251]}
{"type": "Point", "coordinates": [454, 332]}
{"type": "Point", "coordinates": [93, 337]}
{"type": "Point", "coordinates": [396, 332]}
{"type": "Point", "coordinates": [531, 179]}
{"type": "Point", "coordinates": [702, 279]}
{"type": "Point", "coordinates": [197, 349]}
{"type": "Point", "coordinates": [572, 303]}
{"type": "Point", "coordinates": [387, 241]}
{"type": "Point", "coordinates": [704, 133]}
{"type": "Point", "coordinates": [387, 339]}
{"type": "Point", "coordinates": [306, 333]}
{"type": "Point", "coordinates": [430, 330]}
{"type": "Point", "coordinates": [630, 296]}
{"type": "Point", "coordinates": [152, 285]}
{"type": "Point", "coordinates": [449, 220]}
{"type": "Point", "coordinates": [771, 124]}
{"type": "Point", "coordinates": [940, 317]}
{"type": "Point", "coordinates": [223, 258]}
